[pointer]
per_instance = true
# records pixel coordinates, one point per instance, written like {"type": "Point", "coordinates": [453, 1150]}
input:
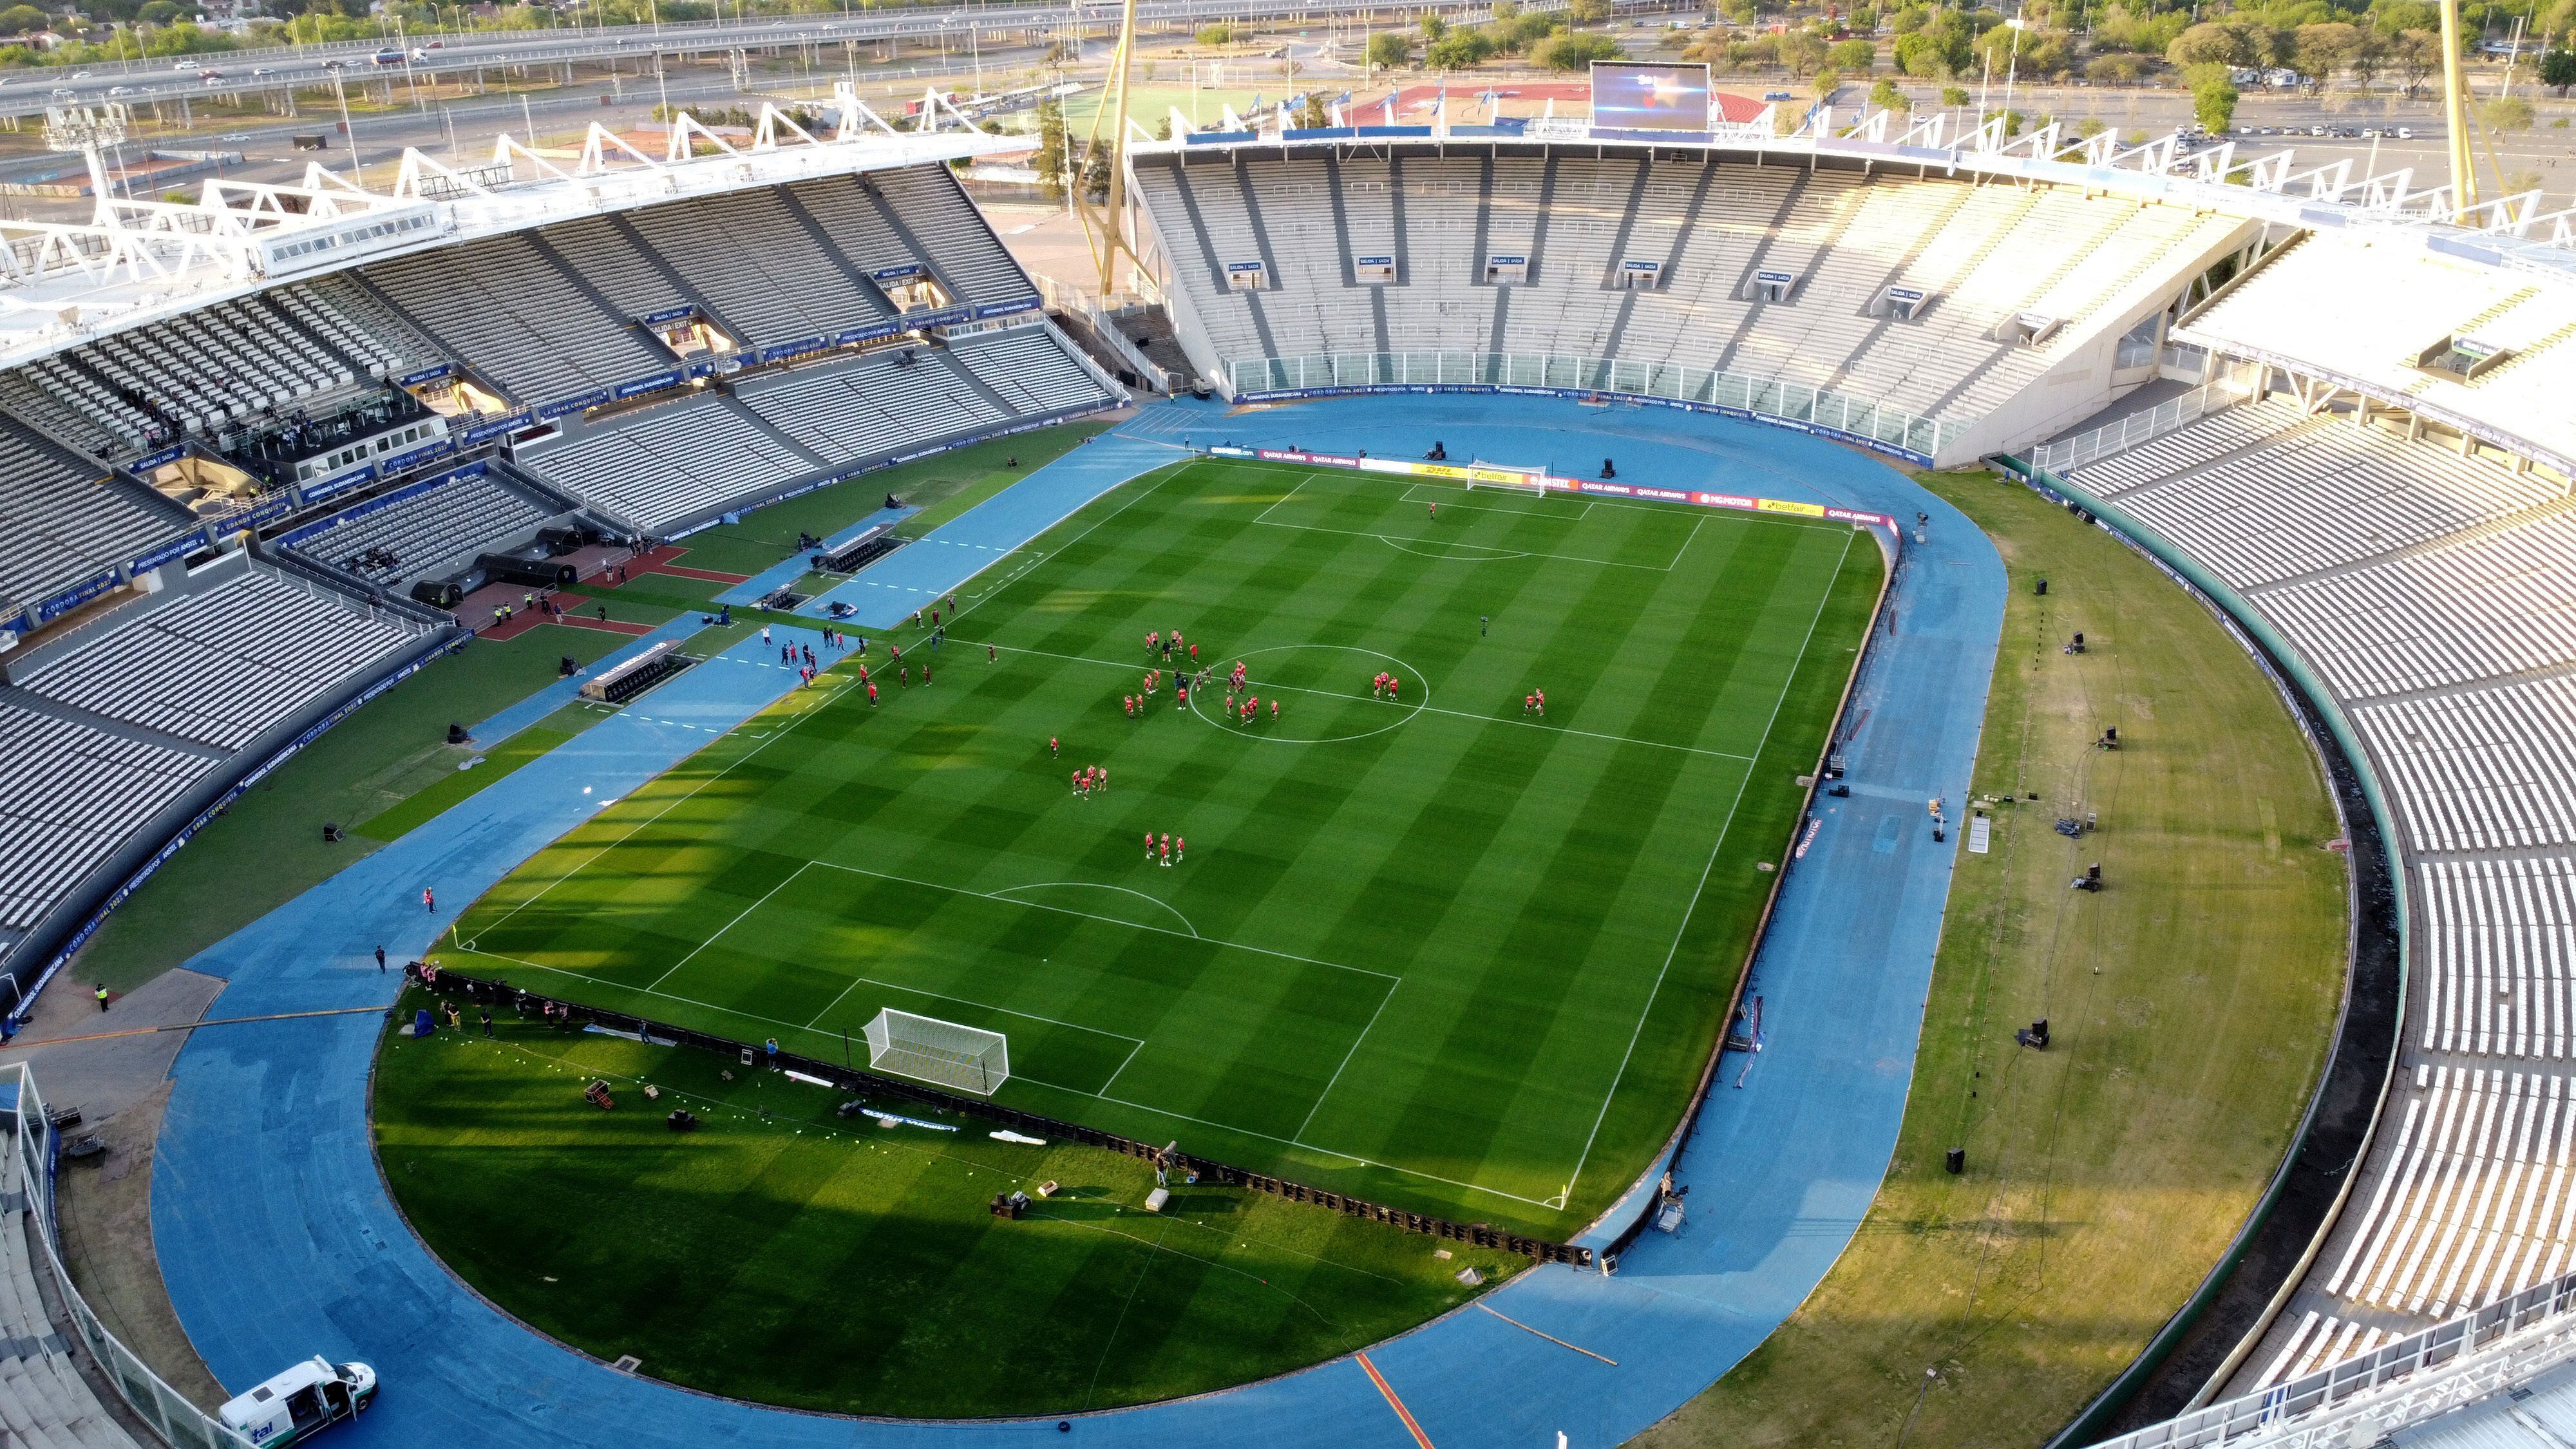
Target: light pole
{"type": "Point", "coordinates": [348, 131]}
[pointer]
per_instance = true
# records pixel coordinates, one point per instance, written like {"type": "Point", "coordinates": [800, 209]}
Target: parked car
{"type": "Point", "coordinates": [301, 1402]}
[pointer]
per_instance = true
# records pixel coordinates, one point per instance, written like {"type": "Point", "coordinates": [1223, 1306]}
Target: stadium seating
{"type": "Point", "coordinates": [402, 540]}
{"type": "Point", "coordinates": [658, 467]}
{"type": "Point", "coordinates": [1031, 370]}
{"type": "Point", "coordinates": [2302, 303]}
{"type": "Point", "coordinates": [960, 243]}
{"type": "Point", "coordinates": [219, 667]}
{"type": "Point", "coordinates": [875, 408]}
{"type": "Point", "coordinates": [71, 796]}
{"type": "Point", "coordinates": [1987, 255]}
{"type": "Point", "coordinates": [765, 272]}
{"type": "Point", "coordinates": [504, 307]}
{"type": "Point", "coordinates": [44, 1401]}
{"type": "Point", "coordinates": [62, 521]}
{"type": "Point", "coordinates": [2431, 589]}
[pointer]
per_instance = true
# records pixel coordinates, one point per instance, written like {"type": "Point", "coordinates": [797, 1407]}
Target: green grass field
{"type": "Point", "coordinates": [1433, 952]}
{"type": "Point", "coordinates": [778, 1254]}
{"type": "Point", "coordinates": [2190, 1006]}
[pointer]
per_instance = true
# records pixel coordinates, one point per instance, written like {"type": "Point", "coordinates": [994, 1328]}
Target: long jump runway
{"type": "Point", "coordinates": [278, 1240]}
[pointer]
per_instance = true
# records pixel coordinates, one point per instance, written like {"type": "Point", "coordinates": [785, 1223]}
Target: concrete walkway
{"type": "Point", "coordinates": [278, 1241]}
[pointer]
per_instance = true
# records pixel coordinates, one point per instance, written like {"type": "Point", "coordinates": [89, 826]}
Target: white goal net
{"type": "Point", "coordinates": [964, 1058]}
{"type": "Point", "coordinates": [1504, 475]}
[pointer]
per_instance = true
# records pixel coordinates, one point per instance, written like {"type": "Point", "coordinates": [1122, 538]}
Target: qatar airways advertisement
{"type": "Point", "coordinates": [1650, 97]}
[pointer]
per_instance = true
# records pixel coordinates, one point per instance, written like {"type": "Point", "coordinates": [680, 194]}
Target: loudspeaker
{"type": "Point", "coordinates": [1956, 1160]}
{"type": "Point", "coordinates": [2041, 589]}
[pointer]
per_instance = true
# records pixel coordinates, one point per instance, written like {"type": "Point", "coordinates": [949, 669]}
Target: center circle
{"type": "Point", "coordinates": [1326, 698]}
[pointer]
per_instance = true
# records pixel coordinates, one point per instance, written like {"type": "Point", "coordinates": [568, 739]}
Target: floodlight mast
{"type": "Point", "coordinates": [1106, 232]}
{"type": "Point", "coordinates": [91, 133]}
{"type": "Point", "coordinates": [2455, 110]}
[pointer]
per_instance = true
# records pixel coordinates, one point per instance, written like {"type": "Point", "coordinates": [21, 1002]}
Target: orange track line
{"type": "Point", "coordinates": [1393, 1402]}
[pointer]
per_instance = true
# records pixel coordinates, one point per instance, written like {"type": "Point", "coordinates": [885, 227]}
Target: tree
{"type": "Point", "coordinates": [1312, 116]}
{"type": "Point", "coordinates": [1218, 34]}
{"type": "Point", "coordinates": [2213, 97]}
{"type": "Point", "coordinates": [1507, 9]}
{"type": "Point", "coordinates": [2414, 54]}
{"type": "Point", "coordinates": [1393, 48]}
{"type": "Point", "coordinates": [1741, 12]}
{"type": "Point", "coordinates": [2503, 114]}
{"type": "Point", "coordinates": [1051, 166]}
{"type": "Point", "coordinates": [1887, 97]}
{"type": "Point", "coordinates": [21, 20]}
{"type": "Point", "coordinates": [1802, 52]}
{"type": "Point", "coordinates": [1826, 82]}
{"type": "Point", "coordinates": [2557, 68]}
{"type": "Point", "coordinates": [2118, 70]}
{"type": "Point", "coordinates": [159, 12]}
{"type": "Point", "coordinates": [1587, 12]}
{"type": "Point", "coordinates": [1954, 97]}
{"type": "Point", "coordinates": [1459, 50]}
{"type": "Point", "coordinates": [1864, 20]}
{"type": "Point", "coordinates": [2318, 51]}
{"type": "Point", "coordinates": [1857, 57]}
{"type": "Point", "coordinates": [2213, 43]}
{"type": "Point", "coordinates": [2396, 17]}
{"type": "Point", "coordinates": [1572, 51]}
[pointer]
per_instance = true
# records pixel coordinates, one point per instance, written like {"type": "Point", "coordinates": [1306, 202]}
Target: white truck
{"type": "Point", "coordinates": [301, 1402]}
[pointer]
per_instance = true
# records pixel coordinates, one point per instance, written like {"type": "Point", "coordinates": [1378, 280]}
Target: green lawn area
{"type": "Point", "coordinates": [2190, 1006]}
{"type": "Point", "coordinates": [778, 1253]}
{"type": "Point", "coordinates": [268, 848]}
{"type": "Point", "coordinates": [1433, 952]}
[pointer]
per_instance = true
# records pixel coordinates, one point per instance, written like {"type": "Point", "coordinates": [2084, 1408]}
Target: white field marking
{"type": "Point", "coordinates": [1412, 494]}
{"type": "Point", "coordinates": [1693, 909]}
{"type": "Point", "coordinates": [1301, 482]}
{"type": "Point", "coordinates": [1483, 554]}
{"type": "Point", "coordinates": [1100, 1096]}
{"type": "Point", "coordinates": [789, 1025]}
{"type": "Point", "coordinates": [1007, 892]}
{"type": "Point", "coordinates": [1122, 1066]}
{"type": "Point", "coordinates": [1107, 920]}
{"type": "Point", "coordinates": [729, 925]}
{"type": "Point", "coordinates": [1424, 708]}
{"type": "Point", "coordinates": [1607, 563]}
{"type": "Point", "coordinates": [1309, 1119]}
{"type": "Point", "coordinates": [859, 981]}
{"type": "Point", "coordinates": [772, 738]}
{"type": "Point", "coordinates": [1419, 705]}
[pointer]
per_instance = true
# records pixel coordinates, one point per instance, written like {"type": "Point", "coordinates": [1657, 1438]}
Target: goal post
{"type": "Point", "coordinates": [943, 1053]}
{"type": "Point", "coordinates": [1504, 475]}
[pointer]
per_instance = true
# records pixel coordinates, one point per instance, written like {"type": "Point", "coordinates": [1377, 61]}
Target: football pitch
{"type": "Point", "coordinates": [1433, 950]}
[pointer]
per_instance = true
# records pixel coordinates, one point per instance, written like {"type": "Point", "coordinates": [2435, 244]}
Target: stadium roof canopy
{"type": "Point", "coordinates": [141, 261]}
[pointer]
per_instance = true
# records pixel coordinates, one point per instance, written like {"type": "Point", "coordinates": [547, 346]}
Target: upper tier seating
{"type": "Point", "coordinates": [962, 247]}
{"type": "Point", "coordinates": [762, 269]}
{"type": "Point", "coordinates": [62, 522]}
{"type": "Point", "coordinates": [219, 667]}
{"type": "Point", "coordinates": [1986, 254]}
{"type": "Point", "coordinates": [2365, 306]}
{"type": "Point", "coordinates": [505, 308]}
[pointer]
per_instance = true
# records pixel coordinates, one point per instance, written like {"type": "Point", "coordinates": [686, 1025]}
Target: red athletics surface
{"type": "Point", "coordinates": [1414, 104]}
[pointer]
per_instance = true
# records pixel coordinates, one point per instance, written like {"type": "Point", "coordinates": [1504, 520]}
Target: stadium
{"type": "Point", "coordinates": [1802, 778]}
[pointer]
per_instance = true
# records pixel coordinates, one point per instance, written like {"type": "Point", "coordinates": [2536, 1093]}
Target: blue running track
{"type": "Point", "coordinates": [278, 1241]}
{"type": "Point", "coordinates": [920, 574]}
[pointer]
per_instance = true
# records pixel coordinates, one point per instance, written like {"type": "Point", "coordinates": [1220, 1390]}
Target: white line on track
{"type": "Point", "coordinates": [1693, 909]}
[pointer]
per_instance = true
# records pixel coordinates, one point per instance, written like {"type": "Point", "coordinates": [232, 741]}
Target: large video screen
{"type": "Point", "coordinates": [1650, 97]}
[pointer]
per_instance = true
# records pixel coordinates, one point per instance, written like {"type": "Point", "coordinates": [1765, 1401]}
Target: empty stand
{"type": "Point", "coordinates": [72, 794]}
{"type": "Point", "coordinates": [656, 468]}
{"type": "Point", "coordinates": [1030, 369]}
{"type": "Point", "coordinates": [399, 541]}
{"type": "Point", "coordinates": [44, 1401]}
{"type": "Point", "coordinates": [509, 312]}
{"type": "Point", "coordinates": [62, 521]}
{"type": "Point", "coordinates": [221, 666]}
